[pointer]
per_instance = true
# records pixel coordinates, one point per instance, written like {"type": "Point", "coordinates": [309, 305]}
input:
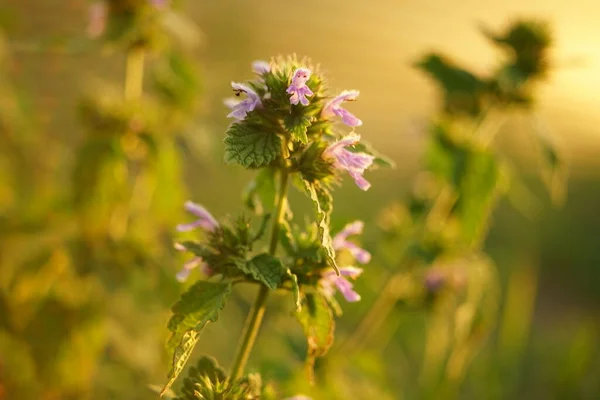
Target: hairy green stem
{"type": "Point", "coordinates": [257, 312]}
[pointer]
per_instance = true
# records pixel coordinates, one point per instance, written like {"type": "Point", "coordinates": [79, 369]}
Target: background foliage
{"type": "Point", "coordinates": [87, 213]}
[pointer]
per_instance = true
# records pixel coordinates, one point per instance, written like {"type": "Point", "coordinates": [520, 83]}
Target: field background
{"type": "Point", "coordinates": [551, 257]}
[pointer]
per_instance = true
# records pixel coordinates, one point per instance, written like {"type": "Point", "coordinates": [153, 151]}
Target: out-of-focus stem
{"type": "Point", "coordinates": [134, 73]}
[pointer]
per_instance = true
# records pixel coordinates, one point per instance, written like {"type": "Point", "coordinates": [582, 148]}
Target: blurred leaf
{"type": "Point", "coordinates": [318, 324]}
{"type": "Point", "coordinates": [323, 205]}
{"type": "Point", "coordinates": [260, 192]}
{"type": "Point", "coordinates": [251, 147]}
{"type": "Point", "coordinates": [198, 306]}
{"type": "Point", "coordinates": [474, 175]}
{"type": "Point", "coordinates": [462, 90]}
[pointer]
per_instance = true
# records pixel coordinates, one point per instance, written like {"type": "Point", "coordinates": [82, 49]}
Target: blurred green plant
{"type": "Point", "coordinates": [69, 257]}
{"type": "Point", "coordinates": [434, 240]}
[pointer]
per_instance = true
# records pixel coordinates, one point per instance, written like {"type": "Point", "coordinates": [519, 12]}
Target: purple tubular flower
{"type": "Point", "coordinates": [330, 282]}
{"type": "Point", "coordinates": [240, 109]}
{"type": "Point", "coordinates": [205, 220]}
{"type": "Point", "coordinates": [334, 107]}
{"type": "Point", "coordinates": [340, 242]}
{"type": "Point", "coordinates": [261, 67]}
{"type": "Point", "coordinates": [188, 266]}
{"type": "Point", "coordinates": [97, 19]}
{"type": "Point", "coordinates": [298, 88]}
{"type": "Point", "coordinates": [354, 163]}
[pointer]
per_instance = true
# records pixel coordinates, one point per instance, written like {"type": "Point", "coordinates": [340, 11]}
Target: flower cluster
{"type": "Point", "coordinates": [291, 95]}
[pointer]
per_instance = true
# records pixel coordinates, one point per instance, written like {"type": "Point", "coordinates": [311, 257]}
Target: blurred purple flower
{"type": "Point", "coordinates": [298, 88]}
{"type": "Point", "coordinates": [241, 108]}
{"type": "Point", "coordinates": [354, 163]}
{"type": "Point", "coordinates": [434, 280]}
{"type": "Point", "coordinates": [330, 282]}
{"type": "Point", "coordinates": [334, 107]}
{"type": "Point", "coordinates": [298, 397]}
{"type": "Point", "coordinates": [159, 4]}
{"type": "Point", "coordinates": [205, 220]}
{"type": "Point", "coordinates": [261, 67]}
{"type": "Point", "coordinates": [98, 13]}
{"type": "Point", "coordinates": [188, 266]}
{"type": "Point", "coordinates": [340, 242]}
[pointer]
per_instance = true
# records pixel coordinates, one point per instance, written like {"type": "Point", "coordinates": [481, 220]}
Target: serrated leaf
{"type": "Point", "coordinates": [181, 355]}
{"type": "Point", "coordinates": [250, 146]}
{"type": "Point", "coordinates": [260, 192]}
{"type": "Point", "coordinates": [297, 126]}
{"type": "Point", "coordinates": [265, 268]}
{"type": "Point", "coordinates": [323, 205]}
{"type": "Point", "coordinates": [198, 306]}
{"type": "Point", "coordinates": [316, 318]}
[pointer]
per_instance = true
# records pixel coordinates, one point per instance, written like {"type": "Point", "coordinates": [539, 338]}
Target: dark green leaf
{"type": "Point", "coordinates": [323, 204]}
{"type": "Point", "coordinates": [462, 90]}
{"type": "Point", "coordinates": [250, 146]}
{"type": "Point", "coordinates": [266, 269]}
{"type": "Point", "coordinates": [297, 125]}
{"type": "Point", "coordinates": [198, 306]}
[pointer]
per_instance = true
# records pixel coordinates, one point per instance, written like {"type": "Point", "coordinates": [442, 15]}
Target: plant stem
{"type": "Point", "coordinates": [134, 73]}
{"type": "Point", "coordinates": [257, 312]}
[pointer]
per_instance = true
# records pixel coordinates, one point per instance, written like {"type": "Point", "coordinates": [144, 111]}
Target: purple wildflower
{"type": "Point", "coordinates": [354, 163]}
{"type": "Point", "coordinates": [298, 88]}
{"type": "Point", "coordinates": [340, 242]}
{"type": "Point", "coordinates": [434, 280]}
{"type": "Point", "coordinates": [159, 4]}
{"type": "Point", "coordinates": [205, 220]}
{"type": "Point", "coordinates": [98, 13]}
{"type": "Point", "coordinates": [298, 397]}
{"type": "Point", "coordinates": [330, 282]}
{"type": "Point", "coordinates": [334, 107]}
{"type": "Point", "coordinates": [240, 109]}
{"type": "Point", "coordinates": [188, 266]}
{"type": "Point", "coordinates": [261, 67]}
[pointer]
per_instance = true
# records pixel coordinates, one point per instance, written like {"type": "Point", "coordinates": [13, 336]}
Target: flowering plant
{"type": "Point", "coordinates": [284, 126]}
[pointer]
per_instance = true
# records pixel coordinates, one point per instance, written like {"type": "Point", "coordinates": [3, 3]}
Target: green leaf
{"type": "Point", "coordinates": [250, 146]}
{"type": "Point", "coordinates": [554, 171]}
{"type": "Point", "coordinates": [266, 269]}
{"type": "Point", "coordinates": [260, 193]}
{"type": "Point", "coordinates": [316, 318]}
{"type": "Point", "coordinates": [474, 175]}
{"type": "Point", "coordinates": [462, 90]}
{"type": "Point", "coordinates": [198, 306]}
{"type": "Point", "coordinates": [323, 204]}
{"type": "Point", "coordinates": [297, 126]}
